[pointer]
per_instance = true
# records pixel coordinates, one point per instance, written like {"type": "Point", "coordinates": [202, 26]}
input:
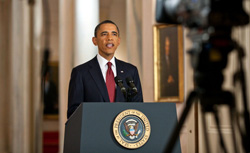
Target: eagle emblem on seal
{"type": "Point", "coordinates": [131, 129]}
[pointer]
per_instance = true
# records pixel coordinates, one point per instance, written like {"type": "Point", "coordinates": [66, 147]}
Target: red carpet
{"type": "Point", "coordinates": [51, 142]}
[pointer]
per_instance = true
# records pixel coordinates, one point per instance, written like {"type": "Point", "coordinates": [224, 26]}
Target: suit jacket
{"type": "Point", "coordinates": [168, 68]}
{"type": "Point", "coordinates": [88, 85]}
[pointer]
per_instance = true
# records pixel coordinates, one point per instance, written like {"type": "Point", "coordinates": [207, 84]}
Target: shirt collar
{"type": "Point", "coordinates": [103, 62]}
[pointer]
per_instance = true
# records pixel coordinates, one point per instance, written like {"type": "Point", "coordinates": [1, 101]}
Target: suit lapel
{"type": "Point", "coordinates": [96, 73]}
{"type": "Point", "coordinates": [121, 73]}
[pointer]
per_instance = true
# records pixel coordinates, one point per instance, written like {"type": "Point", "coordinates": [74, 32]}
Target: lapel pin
{"type": "Point", "coordinates": [121, 71]}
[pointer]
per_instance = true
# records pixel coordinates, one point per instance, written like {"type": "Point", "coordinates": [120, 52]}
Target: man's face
{"type": "Point", "coordinates": [167, 46]}
{"type": "Point", "coordinates": [107, 40]}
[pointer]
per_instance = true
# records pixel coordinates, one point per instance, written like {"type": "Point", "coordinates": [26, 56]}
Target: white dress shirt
{"type": "Point", "coordinates": [104, 67]}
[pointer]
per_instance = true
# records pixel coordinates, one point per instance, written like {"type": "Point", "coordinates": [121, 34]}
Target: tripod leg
{"type": "Point", "coordinates": [178, 126]}
{"type": "Point", "coordinates": [220, 133]}
{"type": "Point", "coordinates": [205, 132]}
{"type": "Point", "coordinates": [232, 119]}
{"type": "Point", "coordinates": [242, 79]}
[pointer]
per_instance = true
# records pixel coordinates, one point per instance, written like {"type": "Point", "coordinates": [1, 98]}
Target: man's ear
{"type": "Point", "coordinates": [119, 40]}
{"type": "Point", "coordinates": [94, 41]}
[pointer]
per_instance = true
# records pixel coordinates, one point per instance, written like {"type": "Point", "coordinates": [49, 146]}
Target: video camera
{"type": "Point", "coordinates": [201, 13]}
{"type": "Point", "coordinates": [210, 23]}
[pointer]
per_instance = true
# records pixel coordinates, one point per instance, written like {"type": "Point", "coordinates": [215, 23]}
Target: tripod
{"type": "Point", "coordinates": [210, 94]}
{"type": "Point", "coordinates": [209, 103]}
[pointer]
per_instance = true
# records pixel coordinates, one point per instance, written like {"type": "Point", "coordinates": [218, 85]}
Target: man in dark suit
{"type": "Point", "coordinates": [169, 75]}
{"type": "Point", "coordinates": [90, 82]}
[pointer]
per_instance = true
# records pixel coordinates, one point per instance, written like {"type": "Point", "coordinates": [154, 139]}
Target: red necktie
{"type": "Point", "coordinates": [110, 83]}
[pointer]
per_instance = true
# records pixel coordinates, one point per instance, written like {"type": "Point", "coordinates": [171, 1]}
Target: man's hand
{"type": "Point", "coordinates": [170, 79]}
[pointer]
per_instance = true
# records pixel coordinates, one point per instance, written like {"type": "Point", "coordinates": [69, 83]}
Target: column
{"type": "Point", "coordinates": [24, 77]}
{"type": "Point", "coordinates": [134, 33]}
{"type": "Point", "coordinates": [66, 50]}
{"type": "Point", "coordinates": [148, 8]}
{"type": "Point", "coordinates": [86, 18]}
{"type": "Point", "coordinates": [19, 79]}
{"type": "Point", "coordinates": [5, 7]}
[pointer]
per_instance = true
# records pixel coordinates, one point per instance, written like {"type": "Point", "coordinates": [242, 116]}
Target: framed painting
{"type": "Point", "coordinates": [50, 97]}
{"type": "Point", "coordinates": [168, 63]}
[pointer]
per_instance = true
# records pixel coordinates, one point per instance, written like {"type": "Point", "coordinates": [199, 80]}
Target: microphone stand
{"type": "Point", "coordinates": [130, 94]}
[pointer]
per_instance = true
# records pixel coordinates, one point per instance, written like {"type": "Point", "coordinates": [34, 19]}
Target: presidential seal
{"type": "Point", "coordinates": [131, 129]}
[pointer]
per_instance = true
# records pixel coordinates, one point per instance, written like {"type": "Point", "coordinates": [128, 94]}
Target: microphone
{"type": "Point", "coordinates": [119, 82]}
{"type": "Point", "coordinates": [131, 84]}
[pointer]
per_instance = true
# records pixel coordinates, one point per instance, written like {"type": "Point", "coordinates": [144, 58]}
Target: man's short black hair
{"type": "Point", "coordinates": [104, 22]}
